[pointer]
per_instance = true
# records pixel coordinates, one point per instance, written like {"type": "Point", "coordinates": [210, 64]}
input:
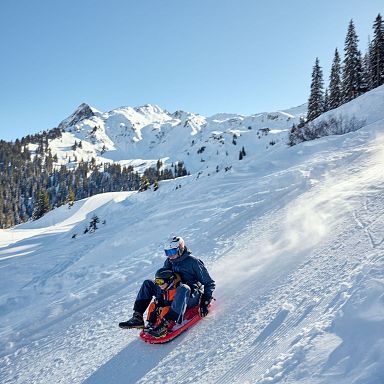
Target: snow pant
{"type": "Point", "coordinates": [184, 298]}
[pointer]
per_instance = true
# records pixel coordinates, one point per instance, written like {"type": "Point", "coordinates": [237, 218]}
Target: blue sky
{"type": "Point", "coordinates": [204, 56]}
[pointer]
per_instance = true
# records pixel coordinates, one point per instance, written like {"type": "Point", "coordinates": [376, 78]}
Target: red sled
{"type": "Point", "coordinates": [191, 317]}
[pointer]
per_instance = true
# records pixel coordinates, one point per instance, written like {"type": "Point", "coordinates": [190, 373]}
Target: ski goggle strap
{"type": "Point", "coordinates": [171, 252]}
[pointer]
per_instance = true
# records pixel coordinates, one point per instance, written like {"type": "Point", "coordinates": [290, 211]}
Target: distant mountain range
{"type": "Point", "coordinates": [140, 136]}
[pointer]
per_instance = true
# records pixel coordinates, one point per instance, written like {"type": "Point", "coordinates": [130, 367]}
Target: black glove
{"type": "Point", "coordinates": [204, 304]}
{"type": "Point", "coordinates": [160, 302]}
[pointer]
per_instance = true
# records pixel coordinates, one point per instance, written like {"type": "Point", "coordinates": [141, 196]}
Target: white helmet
{"type": "Point", "coordinates": [174, 245]}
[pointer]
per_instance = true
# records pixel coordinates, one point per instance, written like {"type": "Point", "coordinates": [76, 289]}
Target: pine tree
{"type": "Point", "coordinates": [42, 205]}
{"type": "Point", "coordinates": [366, 78]}
{"type": "Point", "coordinates": [71, 197]}
{"type": "Point", "coordinates": [352, 69]}
{"type": "Point", "coordinates": [316, 98]}
{"type": "Point", "coordinates": [144, 184]}
{"type": "Point", "coordinates": [181, 170]}
{"type": "Point", "coordinates": [326, 100]}
{"type": "Point", "coordinates": [335, 95]}
{"type": "Point", "coordinates": [93, 223]}
{"type": "Point", "coordinates": [377, 53]}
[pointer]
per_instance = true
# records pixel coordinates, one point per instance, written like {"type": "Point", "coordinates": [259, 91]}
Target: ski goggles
{"type": "Point", "coordinates": [171, 252]}
{"type": "Point", "coordinates": [159, 281]}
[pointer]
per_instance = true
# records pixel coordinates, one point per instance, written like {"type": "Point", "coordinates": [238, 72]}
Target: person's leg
{"type": "Point", "coordinates": [179, 303]}
{"type": "Point", "coordinates": [144, 297]}
{"type": "Point", "coordinates": [194, 299]}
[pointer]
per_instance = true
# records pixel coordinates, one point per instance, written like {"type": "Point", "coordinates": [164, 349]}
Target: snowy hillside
{"type": "Point", "coordinates": [140, 136]}
{"type": "Point", "coordinates": [294, 239]}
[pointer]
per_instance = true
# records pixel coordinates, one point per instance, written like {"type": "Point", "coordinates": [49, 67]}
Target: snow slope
{"type": "Point", "coordinates": [293, 238]}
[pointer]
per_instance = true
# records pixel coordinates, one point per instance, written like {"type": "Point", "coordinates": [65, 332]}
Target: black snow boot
{"type": "Point", "coordinates": [149, 327]}
{"type": "Point", "coordinates": [162, 329]}
{"type": "Point", "coordinates": [159, 331]}
{"type": "Point", "coordinates": [136, 321]}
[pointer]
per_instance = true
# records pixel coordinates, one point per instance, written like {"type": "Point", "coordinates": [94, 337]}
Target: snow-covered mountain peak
{"type": "Point", "coordinates": [137, 117]}
{"type": "Point", "coordinates": [83, 111]}
{"type": "Point", "coordinates": [151, 109]}
{"type": "Point", "coordinates": [220, 117]}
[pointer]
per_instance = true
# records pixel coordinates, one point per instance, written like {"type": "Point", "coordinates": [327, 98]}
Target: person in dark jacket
{"type": "Point", "coordinates": [196, 286]}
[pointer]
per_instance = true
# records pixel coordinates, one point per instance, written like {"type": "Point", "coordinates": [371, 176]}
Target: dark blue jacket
{"type": "Point", "coordinates": [192, 272]}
